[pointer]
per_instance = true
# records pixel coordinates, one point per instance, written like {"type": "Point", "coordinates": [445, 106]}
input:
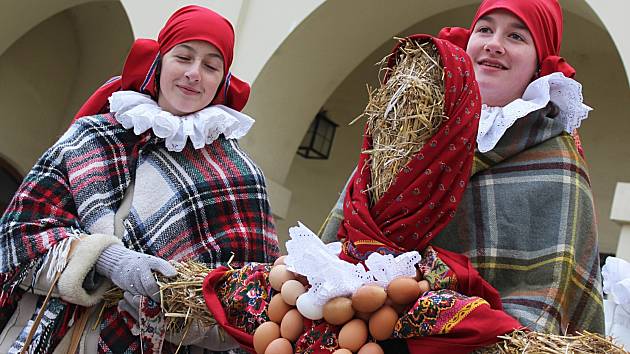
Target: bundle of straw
{"type": "Point", "coordinates": [520, 342]}
{"type": "Point", "coordinates": [181, 297]}
{"type": "Point", "coordinates": [404, 112]}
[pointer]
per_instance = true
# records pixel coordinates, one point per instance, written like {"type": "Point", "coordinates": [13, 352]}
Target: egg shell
{"type": "Point", "coordinates": [279, 261]}
{"type": "Point", "coordinates": [424, 286]}
{"type": "Point", "coordinates": [353, 335]}
{"type": "Point", "coordinates": [277, 308]}
{"type": "Point", "coordinates": [368, 298]}
{"type": "Point", "coordinates": [338, 311]}
{"type": "Point", "coordinates": [403, 290]}
{"type": "Point", "coordinates": [265, 334]}
{"type": "Point", "coordinates": [307, 307]}
{"type": "Point", "coordinates": [371, 348]}
{"type": "Point", "coordinates": [292, 325]}
{"type": "Point", "coordinates": [365, 316]}
{"type": "Point", "coordinates": [342, 351]}
{"type": "Point", "coordinates": [279, 275]}
{"type": "Point", "coordinates": [291, 290]}
{"type": "Point", "coordinates": [279, 346]}
{"type": "Point", "coordinates": [382, 322]}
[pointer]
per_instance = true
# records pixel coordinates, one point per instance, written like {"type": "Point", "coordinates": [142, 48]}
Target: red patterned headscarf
{"type": "Point", "coordinates": [425, 194]}
{"type": "Point", "coordinates": [543, 18]}
{"type": "Point", "coordinates": [187, 24]}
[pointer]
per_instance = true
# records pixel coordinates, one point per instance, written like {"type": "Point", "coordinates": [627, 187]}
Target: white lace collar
{"type": "Point", "coordinates": [133, 109]}
{"type": "Point", "coordinates": [566, 93]}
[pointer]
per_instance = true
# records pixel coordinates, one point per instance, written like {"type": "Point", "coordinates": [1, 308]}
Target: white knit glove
{"type": "Point", "coordinates": [132, 271]}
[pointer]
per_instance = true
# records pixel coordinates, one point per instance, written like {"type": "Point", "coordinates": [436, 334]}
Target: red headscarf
{"type": "Point", "coordinates": [543, 18]}
{"type": "Point", "coordinates": [187, 24]}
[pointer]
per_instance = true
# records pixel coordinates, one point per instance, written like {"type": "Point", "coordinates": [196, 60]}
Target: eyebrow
{"type": "Point", "coordinates": [214, 55]}
{"type": "Point", "coordinates": [516, 24]}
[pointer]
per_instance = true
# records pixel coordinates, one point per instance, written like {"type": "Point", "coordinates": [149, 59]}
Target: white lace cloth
{"type": "Point", "coordinates": [616, 276]}
{"type": "Point", "coordinates": [133, 109]}
{"type": "Point", "coordinates": [330, 276]}
{"type": "Point", "coordinates": [566, 93]}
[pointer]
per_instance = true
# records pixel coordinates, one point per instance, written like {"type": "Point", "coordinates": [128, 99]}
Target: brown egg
{"type": "Point", "coordinates": [371, 348]}
{"type": "Point", "coordinates": [338, 311]}
{"type": "Point", "coordinates": [365, 316]}
{"type": "Point", "coordinates": [403, 290]}
{"type": "Point", "coordinates": [277, 308]}
{"type": "Point", "coordinates": [279, 261]}
{"type": "Point", "coordinates": [368, 298]}
{"type": "Point", "coordinates": [265, 334]}
{"type": "Point", "coordinates": [382, 322]}
{"type": "Point", "coordinates": [342, 351]}
{"type": "Point", "coordinates": [424, 286]}
{"type": "Point", "coordinates": [291, 290]}
{"type": "Point", "coordinates": [279, 346]}
{"type": "Point", "coordinates": [353, 335]}
{"type": "Point", "coordinates": [279, 275]}
{"type": "Point", "coordinates": [292, 325]}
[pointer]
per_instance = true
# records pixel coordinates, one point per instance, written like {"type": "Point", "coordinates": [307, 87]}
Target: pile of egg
{"type": "Point", "coordinates": [371, 312]}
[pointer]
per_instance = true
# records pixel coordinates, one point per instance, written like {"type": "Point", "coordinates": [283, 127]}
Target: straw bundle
{"type": "Point", "coordinates": [181, 297]}
{"type": "Point", "coordinates": [403, 112]}
{"type": "Point", "coordinates": [520, 342]}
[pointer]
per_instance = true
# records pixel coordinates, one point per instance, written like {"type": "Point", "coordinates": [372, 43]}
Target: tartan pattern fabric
{"type": "Point", "coordinates": [198, 204]}
{"type": "Point", "coordinates": [527, 223]}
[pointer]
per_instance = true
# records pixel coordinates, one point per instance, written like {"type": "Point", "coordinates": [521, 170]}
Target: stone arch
{"type": "Point", "coordinates": [52, 58]}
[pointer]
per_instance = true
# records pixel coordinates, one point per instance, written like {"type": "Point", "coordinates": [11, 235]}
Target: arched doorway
{"type": "Point", "coordinates": [55, 63]}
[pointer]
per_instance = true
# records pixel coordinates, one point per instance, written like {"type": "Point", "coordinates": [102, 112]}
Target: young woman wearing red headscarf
{"type": "Point", "coordinates": [123, 191]}
{"type": "Point", "coordinates": [527, 219]}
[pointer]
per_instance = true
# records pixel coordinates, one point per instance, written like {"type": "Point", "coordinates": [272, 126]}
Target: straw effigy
{"type": "Point", "coordinates": [403, 112]}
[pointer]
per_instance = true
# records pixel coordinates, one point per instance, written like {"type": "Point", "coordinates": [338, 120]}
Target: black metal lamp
{"type": "Point", "coordinates": [319, 139]}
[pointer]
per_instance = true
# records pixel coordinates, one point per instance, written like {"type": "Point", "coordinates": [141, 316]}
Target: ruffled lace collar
{"type": "Point", "coordinates": [140, 112]}
{"type": "Point", "coordinates": [566, 93]}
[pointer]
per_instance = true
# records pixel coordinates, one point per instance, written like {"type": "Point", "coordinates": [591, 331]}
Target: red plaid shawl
{"type": "Point", "coordinates": [217, 204]}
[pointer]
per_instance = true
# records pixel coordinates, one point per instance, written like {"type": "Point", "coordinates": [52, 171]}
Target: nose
{"type": "Point", "coordinates": [192, 73]}
{"type": "Point", "coordinates": [494, 45]}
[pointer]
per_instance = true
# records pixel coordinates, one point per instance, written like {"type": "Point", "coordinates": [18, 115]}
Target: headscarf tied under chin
{"type": "Point", "coordinates": [543, 18]}
{"type": "Point", "coordinates": [187, 24]}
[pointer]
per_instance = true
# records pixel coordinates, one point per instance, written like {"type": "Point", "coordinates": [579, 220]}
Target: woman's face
{"type": "Point", "coordinates": [504, 57]}
{"type": "Point", "coordinates": [190, 75]}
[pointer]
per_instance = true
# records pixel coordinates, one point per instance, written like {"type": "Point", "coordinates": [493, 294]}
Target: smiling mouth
{"type": "Point", "coordinates": [492, 64]}
{"type": "Point", "coordinates": [188, 90]}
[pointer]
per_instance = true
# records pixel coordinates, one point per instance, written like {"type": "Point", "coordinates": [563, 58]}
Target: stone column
{"type": "Point", "coordinates": [620, 213]}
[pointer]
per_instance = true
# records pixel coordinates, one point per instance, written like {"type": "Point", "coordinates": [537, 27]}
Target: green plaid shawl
{"type": "Point", "coordinates": [527, 223]}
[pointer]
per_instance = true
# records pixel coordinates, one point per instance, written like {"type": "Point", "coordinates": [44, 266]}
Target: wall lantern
{"type": "Point", "coordinates": [319, 138]}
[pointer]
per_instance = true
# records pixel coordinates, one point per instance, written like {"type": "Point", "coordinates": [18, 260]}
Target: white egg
{"type": "Point", "coordinates": [308, 308]}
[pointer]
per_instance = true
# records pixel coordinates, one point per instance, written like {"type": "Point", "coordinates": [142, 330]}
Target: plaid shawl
{"type": "Point", "coordinates": [527, 223]}
{"type": "Point", "coordinates": [207, 203]}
